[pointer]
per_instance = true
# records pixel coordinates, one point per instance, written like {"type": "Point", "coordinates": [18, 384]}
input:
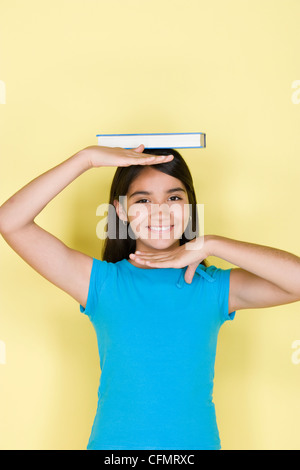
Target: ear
{"type": "Point", "coordinates": [120, 211]}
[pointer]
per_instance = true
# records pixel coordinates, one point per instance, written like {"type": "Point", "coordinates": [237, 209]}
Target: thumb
{"type": "Point", "coordinates": [140, 148]}
{"type": "Point", "coordinates": [189, 273]}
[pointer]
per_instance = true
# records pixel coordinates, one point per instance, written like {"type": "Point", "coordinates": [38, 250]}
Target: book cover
{"type": "Point", "coordinates": [176, 140]}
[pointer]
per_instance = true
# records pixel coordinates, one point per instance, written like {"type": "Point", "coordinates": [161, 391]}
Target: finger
{"type": "Point", "coordinates": [145, 258]}
{"type": "Point", "coordinates": [155, 263]}
{"type": "Point", "coordinates": [150, 256]}
{"type": "Point", "coordinates": [155, 157]}
{"type": "Point", "coordinates": [141, 160]}
{"type": "Point", "coordinates": [156, 256]}
{"type": "Point", "coordinates": [165, 159]}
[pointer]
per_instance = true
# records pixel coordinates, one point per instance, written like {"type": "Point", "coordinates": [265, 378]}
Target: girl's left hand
{"type": "Point", "coordinates": [191, 254]}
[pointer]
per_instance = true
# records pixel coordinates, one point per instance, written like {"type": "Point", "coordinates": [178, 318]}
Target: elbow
{"type": "Point", "coordinates": [2, 226]}
{"type": "Point", "coordinates": [5, 226]}
{"type": "Point", "coordinates": [8, 219]}
{"type": "Point", "coordinates": [2, 222]}
{"type": "Point", "coordinates": [8, 227]}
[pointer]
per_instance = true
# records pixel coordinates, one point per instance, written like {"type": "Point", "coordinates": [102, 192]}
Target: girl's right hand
{"type": "Point", "coordinates": [116, 156]}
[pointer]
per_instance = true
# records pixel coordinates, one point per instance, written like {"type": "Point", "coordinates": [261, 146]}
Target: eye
{"type": "Point", "coordinates": [140, 201]}
{"type": "Point", "coordinates": [137, 202]}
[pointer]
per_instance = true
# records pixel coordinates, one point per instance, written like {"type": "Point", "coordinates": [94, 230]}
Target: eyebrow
{"type": "Point", "coordinates": [147, 193]}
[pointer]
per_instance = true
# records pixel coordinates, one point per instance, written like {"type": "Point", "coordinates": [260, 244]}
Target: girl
{"type": "Point", "coordinates": [155, 304]}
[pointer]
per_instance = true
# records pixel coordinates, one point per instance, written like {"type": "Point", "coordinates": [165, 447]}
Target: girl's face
{"type": "Point", "coordinates": [157, 210]}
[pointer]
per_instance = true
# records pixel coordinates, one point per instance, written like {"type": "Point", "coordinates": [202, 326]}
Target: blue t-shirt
{"type": "Point", "coordinates": [157, 340]}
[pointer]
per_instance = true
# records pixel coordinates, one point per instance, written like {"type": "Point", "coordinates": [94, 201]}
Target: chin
{"type": "Point", "coordinates": [154, 242]}
{"type": "Point", "coordinates": [159, 244]}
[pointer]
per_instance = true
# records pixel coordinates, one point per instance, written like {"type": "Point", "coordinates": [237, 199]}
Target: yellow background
{"type": "Point", "coordinates": [75, 68]}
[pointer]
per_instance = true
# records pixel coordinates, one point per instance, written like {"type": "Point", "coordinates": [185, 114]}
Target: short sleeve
{"type": "Point", "coordinates": [222, 276]}
{"type": "Point", "coordinates": [97, 278]}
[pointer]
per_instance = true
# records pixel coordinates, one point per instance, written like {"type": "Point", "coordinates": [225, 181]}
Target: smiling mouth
{"type": "Point", "coordinates": [161, 228]}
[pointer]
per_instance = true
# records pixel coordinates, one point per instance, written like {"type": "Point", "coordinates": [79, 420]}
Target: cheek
{"type": "Point", "coordinates": [181, 213]}
{"type": "Point", "coordinates": [138, 215]}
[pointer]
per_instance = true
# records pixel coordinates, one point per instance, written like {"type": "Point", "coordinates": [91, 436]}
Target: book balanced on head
{"type": "Point", "coordinates": [172, 140]}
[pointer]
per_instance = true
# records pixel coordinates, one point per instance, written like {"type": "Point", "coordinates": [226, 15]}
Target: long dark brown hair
{"type": "Point", "coordinates": [118, 245]}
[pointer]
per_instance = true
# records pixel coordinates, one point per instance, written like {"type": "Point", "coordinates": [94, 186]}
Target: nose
{"type": "Point", "coordinates": [160, 214]}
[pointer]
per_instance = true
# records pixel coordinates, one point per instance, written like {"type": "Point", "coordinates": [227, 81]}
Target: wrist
{"type": "Point", "coordinates": [84, 161]}
{"type": "Point", "coordinates": [209, 244]}
{"type": "Point", "coordinates": [204, 244]}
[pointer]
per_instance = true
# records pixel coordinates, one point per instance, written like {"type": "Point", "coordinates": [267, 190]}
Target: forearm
{"type": "Point", "coordinates": [21, 208]}
{"type": "Point", "coordinates": [277, 266]}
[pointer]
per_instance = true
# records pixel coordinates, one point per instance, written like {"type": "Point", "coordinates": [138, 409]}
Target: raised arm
{"type": "Point", "coordinates": [64, 267]}
{"type": "Point", "coordinates": [266, 276]}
